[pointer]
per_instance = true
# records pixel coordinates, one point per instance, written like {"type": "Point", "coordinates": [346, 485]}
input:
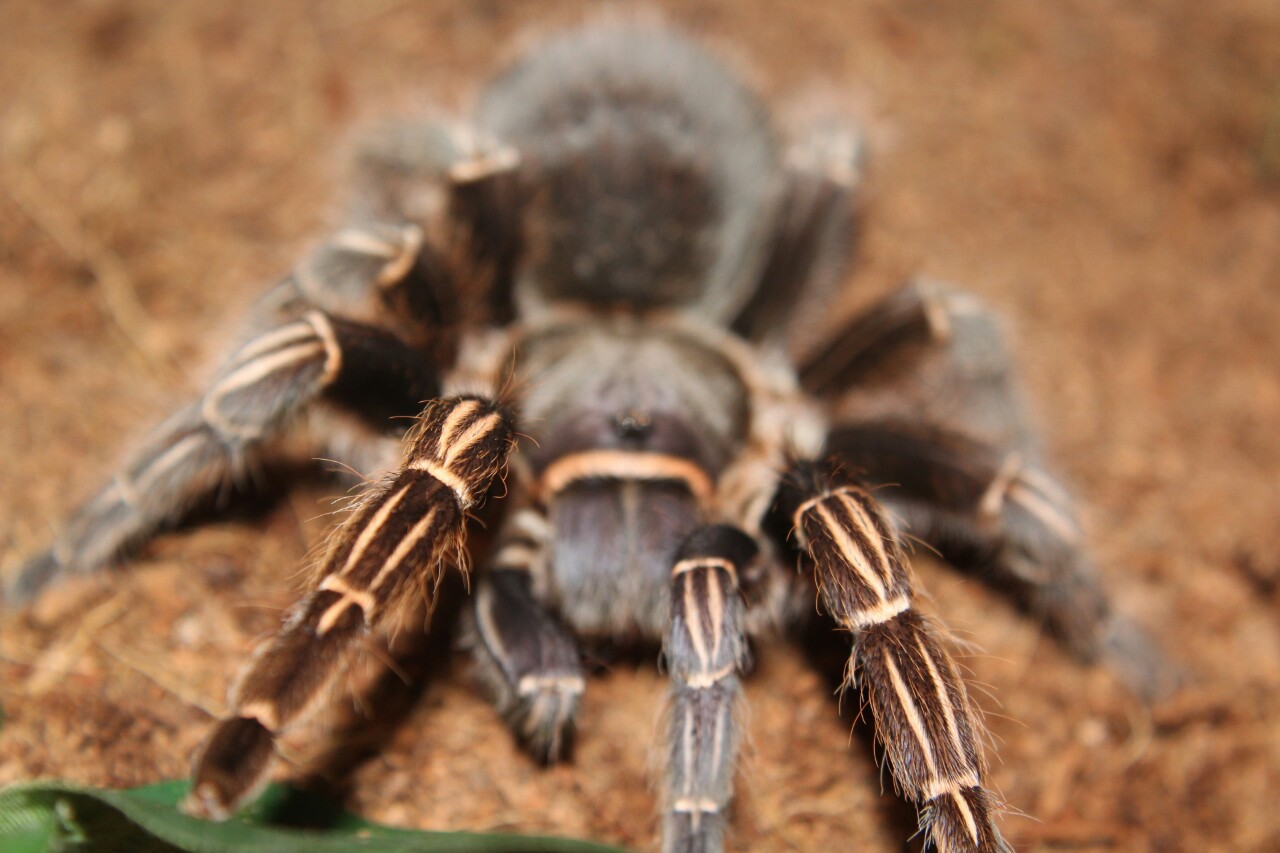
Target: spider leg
{"type": "Point", "coordinates": [999, 515]}
{"type": "Point", "coordinates": [813, 231]}
{"type": "Point", "coordinates": [961, 469]}
{"type": "Point", "coordinates": [271, 378]}
{"type": "Point", "coordinates": [413, 170]}
{"type": "Point", "coordinates": [927, 352]}
{"type": "Point", "coordinates": [206, 446]}
{"type": "Point", "coordinates": [395, 543]}
{"type": "Point", "coordinates": [923, 718]}
{"type": "Point", "coordinates": [705, 651]}
{"type": "Point", "coordinates": [527, 659]}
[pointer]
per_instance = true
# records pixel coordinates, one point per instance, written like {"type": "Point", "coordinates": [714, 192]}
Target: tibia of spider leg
{"type": "Point", "coordinates": [400, 534]}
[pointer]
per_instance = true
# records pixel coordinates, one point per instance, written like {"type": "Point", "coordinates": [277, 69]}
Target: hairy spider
{"type": "Point", "coordinates": [596, 282]}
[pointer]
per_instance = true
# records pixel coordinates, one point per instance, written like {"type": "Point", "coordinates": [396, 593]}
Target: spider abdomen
{"type": "Point", "coordinates": [649, 170]}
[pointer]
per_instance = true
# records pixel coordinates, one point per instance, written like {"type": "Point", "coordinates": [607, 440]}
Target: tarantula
{"type": "Point", "coordinates": [594, 283]}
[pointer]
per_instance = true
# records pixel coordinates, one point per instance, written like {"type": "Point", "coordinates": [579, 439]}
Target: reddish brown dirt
{"type": "Point", "coordinates": [1106, 173]}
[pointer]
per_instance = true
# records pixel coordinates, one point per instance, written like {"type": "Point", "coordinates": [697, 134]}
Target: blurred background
{"type": "Point", "coordinates": [1107, 174]}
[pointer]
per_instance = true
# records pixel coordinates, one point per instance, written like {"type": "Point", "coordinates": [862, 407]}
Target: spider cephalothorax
{"type": "Point", "coordinates": [593, 285]}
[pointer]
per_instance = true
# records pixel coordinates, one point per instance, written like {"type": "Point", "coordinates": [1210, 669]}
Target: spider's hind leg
{"type": "Point", "coordinates": [943, 428]}
{"type": "Point", "coordinates": [1008, 521]}
{"type": "Point", "coordinates": [527, 659]}
{"type": "Point", "coordinates": [923, 717]}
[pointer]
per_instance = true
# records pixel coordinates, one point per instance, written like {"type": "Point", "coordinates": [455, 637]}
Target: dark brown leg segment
{"type": "Point", "coordinates": [813, 234]}
{"type": "Point", "coordinates": [705, 651]}
{"type": "Point", "coordinates": [923, 717]}
{"type": "Point", "coordinates": [395, 543]}
{"type": "Point", "coordinates": [526, 657]}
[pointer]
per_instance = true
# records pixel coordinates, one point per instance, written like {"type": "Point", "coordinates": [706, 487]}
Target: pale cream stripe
{"type": "Point", "coordinates": [262, 711]}
{"type": "Point", "coordinates": [703, 680]}
{"type": "Point", "coordinates": [914, 720]}
{"type": "Point", "coordinates": [334, 611]}
{"type": "Point", "coordinates": [944, 699]}
{"type": "Point", "coordinates": [1052, 517]}
{"type": "Point", "coordinates": [402, 550]}
{"type": "Point", "coordinates": [936, 312]}
{"type": "Point", "coordinates": [878, 614]}
{"type": "Point", "coordinates": [940, 787]}
{"type": "Point", "coordinates": [372, 529]}
{"type": "Point", "coordinates": [693, 622]}
{"type": "Point", "coordinates": [993, 497]}
{"type": "Point", "coordinates": [482, 165]}
{"type": "Point", "coordinates": [532, 524]}
{"type": "Point", "coordinates": [695, 806]}
{"type": "Point", "coordinates": [691, 563]}
{"type": "Point", "coordinates": [852, 553]}
{"type": "Point", "coordinates": [333, 352]}
{"type": "Point", "coordinates": [444, 475]}
{"type": "Point", "coordinates": [484, 621]}
{"type": "Point", "coordinates": [797, 517]}
{"type": "Point", "coordinates": [254, 371]}
{"type": "Point", "coordinates": [687, 757]}
{"type": "Point", "coordinates": [530, 684]}
{"type": "Point", "coordinates": [452, 421]}
{"type": "Point", "coordinates": [1046, 485]}
{"type": "Point", "coordinates": [364, 243]}
{"type": "Point", "coordinates": [866, 526]}
{"type": "Point", "coordinates": [515, 556]}
{"type": "Point", "coordinates": [967, 814]}
{"type": "Point", "coordinates": [273, 339]}
{"type": "Point", "coordinates": [468, 439]}
{"type": "Point", "coordinates": [625, 465]}
{"type": "Point", "coordinates": [715, 596]}
{"type": "Point", "coordinates": [165, 461]}
{"type": "Point", "coordinates": [718, 738]}
{"type": "Point", "coordinates": [334, 583]}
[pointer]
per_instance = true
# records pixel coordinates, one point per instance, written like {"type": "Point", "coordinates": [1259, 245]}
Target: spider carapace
{"type": "Point", "coordinates": [597, 282]}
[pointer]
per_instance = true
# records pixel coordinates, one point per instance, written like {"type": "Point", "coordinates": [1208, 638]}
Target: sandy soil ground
{"type": "Point", "coordinates": [1108, 174]}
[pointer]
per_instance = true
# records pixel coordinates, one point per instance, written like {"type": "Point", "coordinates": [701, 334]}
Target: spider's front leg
{"type": "Point", "coordinates": [210, 444]}
{"type": "Point", "coordinates": [394, 543]}
{"type": "Point", "coordinates": [706, 651]}
{"type": "Point", "coordinates": [923, 717]}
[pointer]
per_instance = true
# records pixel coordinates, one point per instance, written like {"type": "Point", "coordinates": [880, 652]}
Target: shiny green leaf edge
{"type": "Point", "coordinates": [59, 816]}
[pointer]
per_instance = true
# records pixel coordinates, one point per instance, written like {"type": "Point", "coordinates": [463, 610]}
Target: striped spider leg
{"type": "Point", "coordinates": [966, 476]}
{"type": "Point", "coordinates": [526, 658]}
{"type": "Point", "coordinates": [923, 717]}
{"type": "Point", "coordinates": [355, 337]}
{"type": "Point", "coordinates": [706, 653]}
{"type": "Point", "coordinates": [395, 542]}
{"type": "Point", "coordinates": [303, 357]}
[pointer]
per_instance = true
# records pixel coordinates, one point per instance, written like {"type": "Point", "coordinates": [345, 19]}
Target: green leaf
{"type": "Point", "coordinates": [58, 816]}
